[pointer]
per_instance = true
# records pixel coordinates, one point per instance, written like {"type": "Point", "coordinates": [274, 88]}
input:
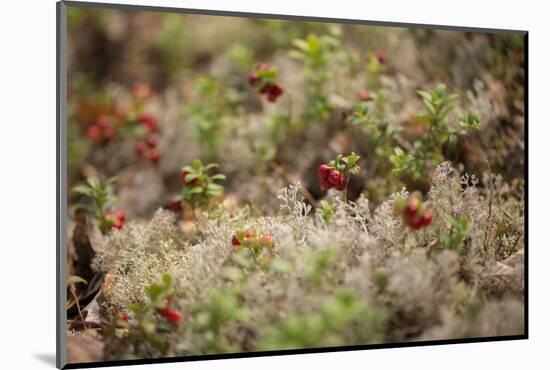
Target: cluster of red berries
{"type": "Point", "coordinates": [331, 178]}
{"type": "Point", "coordinates": [101, 130]}
{"type": "Point", "coordinates": [147, 147]}
{"type": "Point", "coordinates": [266, 86]}
{"type": "Point", "coordinates": [413, 212]}
{"type": "Point", "coordinates": [148, 122]}
{"type": "Point", "coordinates": [116, 218]}
{"type": "Point", "coordinates": [168, 313]}
{"type": "Point", "coordinates": [250, 239]}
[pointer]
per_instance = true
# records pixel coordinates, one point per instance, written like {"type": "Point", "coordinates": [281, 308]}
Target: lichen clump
{"type": "Point", "coordinates": [359, 277]}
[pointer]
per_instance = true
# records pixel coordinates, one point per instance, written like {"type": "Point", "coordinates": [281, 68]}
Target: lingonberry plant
{"type": "Point", "coordinates": [453, 238]}
{"type": "Point", "coordinates": [212, 315]}
{"type": "Point", "coordinates": [427, 151]}
{"type": "Point", "coordinates": [160, 298]}
{"type": "Point", "coordinates": [198, 187]}
{"type": "Point", "coordinates": [214, 103]}
{"type": "Point", "coordinates": [150, 325]}
{"type": "Point", "coordinates": [369, 115]}
{"type": "Point", "coordinates": [375, 66]}
{"type": "Point", "coordinates": [336, 173]}
{"type": "Point", "coordinates": [318, 329]}
{"type": "Point", "coordinates": [315, 52]}
{"type": "Point", "coordinates": [264, 79]}
{"type": "Point", "coordinates": [101, 197]}
{"type": "Point", "coordinates": [325, 211]}
{"type": "Point", "coordinates": [412, 211]}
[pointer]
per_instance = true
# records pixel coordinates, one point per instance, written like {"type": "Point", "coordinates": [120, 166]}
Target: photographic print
{"type": "Point", "coordinates": [241, 184]}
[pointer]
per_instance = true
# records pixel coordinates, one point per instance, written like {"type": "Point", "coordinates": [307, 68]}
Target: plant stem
{"type": "Point", "coordinates": [346, 189]}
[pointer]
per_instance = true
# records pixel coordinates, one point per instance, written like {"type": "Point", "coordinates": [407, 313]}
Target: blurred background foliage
{"type": "Point", "coordinates": [193, 70]}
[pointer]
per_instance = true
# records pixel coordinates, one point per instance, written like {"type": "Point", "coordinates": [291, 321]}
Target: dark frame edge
{"type": "Point", "coordinates": [526, 187]}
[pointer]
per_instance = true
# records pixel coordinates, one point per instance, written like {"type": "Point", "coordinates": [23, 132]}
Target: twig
{"type": "Point", "coordinates": [508, 215]}
{"type": "Point", "coordinates": [71, 289]}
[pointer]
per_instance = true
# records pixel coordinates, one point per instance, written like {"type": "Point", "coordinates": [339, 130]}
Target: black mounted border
{"type": "Point", "coordinates": [61, 188]}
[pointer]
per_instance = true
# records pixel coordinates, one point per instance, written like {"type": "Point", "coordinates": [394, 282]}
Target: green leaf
{"type": "Point", "coordinates": [187, 169]}
{"type": "Point", "coordinates": [425, 95]}
{"type": "Point", "coordinates": [301, 44]}
{"type": "Point", "coordinates": [294, 54]}
{"type": "Point", "coordinates": [213, 186]}
{"type": "Point", "coordinates": [197, 164]}
{"type": "Point", "coordinates": [111, 181]}
{"type": "Point", "coordinates": [191, 176]}
{"type": "Point", "coordinates": [192, 190]}
{"type": "Point", "coordinates": [219, 176]}
{"type": "Point", "coordinates": [167, 280]}
{"type": "Point", "coordinates": [82, 189]}
{"type": "Point", "coordinates": [211, 165]}
{"type": "Point", "coordinates": [155, 291]}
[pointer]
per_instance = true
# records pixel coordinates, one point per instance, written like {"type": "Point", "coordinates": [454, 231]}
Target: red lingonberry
{"type": "Point", "coordinates": [117, 218]}
{"type": "Point", "coordinates": [416, 223]}
{"type": "Point", "coordinates": [427, 218]}
{"type": "Point", "coordinates": [235, 241]}
{"type": "Point", "coordinates": [412, 207]}
{"type": "Point", "coordinates": [122, 316]}
{"type": "Point", "coordinates": [381, 56]}
{"type": "Point", "coordinates": [153, 155]}
{"type": "Point", "coordinates": [265, 89]}
{"type": "Point", "coordinates": [253, 79]}
{"type": "Point", "coordinates": [141, 147]}
{"type": "Point", "coordinates": [109, 131]}
{"type": "Point", "coordinates": [249, 235]}
{"type": "Point", "coordinates": [364, 95]}
{"type": "Point", "coordinates": [277, 90]}
{"type": "Point", "coordinates": [120, 214]}
{"type": "Point", "coordinates": [148, 121]}
{"type": "Point", "coordinates": [325, 185]}
{"type": "Point", "coordinates": [273, 92]}
{"type": "Point", "coordinates": [93, 133]}
{"type": "Point", "coordinates": [163, 311]}
{"type": "Point", "coordinates": [267, 241]}
{"type": "Point", "coordinates": [262, 67]}
{"type": "Point", "coordinates": [323, 171]}
{"type": "Point", "coordinates": [141, 90]}
{"type": "Point", "coordinates": [334, 177]}
{"type": "Point", "coordinates": [173, 316]}
{"type": "Point", "coordinates": [152, 140]}
{"type": "Point", "coordinates": [175, 206]}
{"type": "Point", "coordinates": [342, 184]}
{"type": "Point", "coordinates": [102, 122]}
{"type": "Point", "coordinates": [183, 182]}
